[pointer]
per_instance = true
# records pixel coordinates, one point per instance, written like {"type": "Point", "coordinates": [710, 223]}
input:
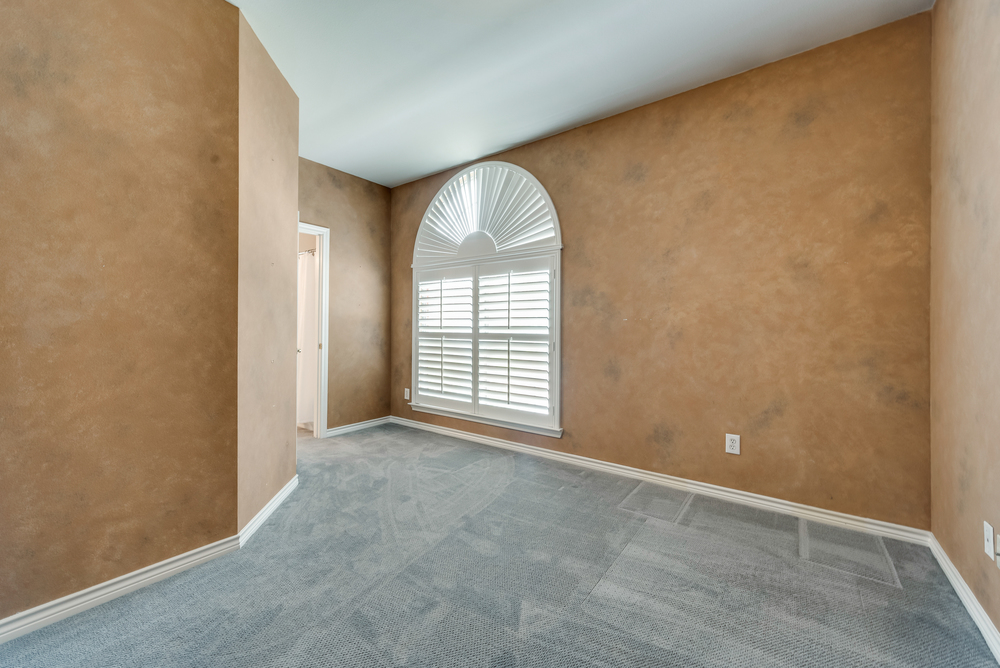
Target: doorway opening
{"type": "Point", "coordinates": [312, 330]}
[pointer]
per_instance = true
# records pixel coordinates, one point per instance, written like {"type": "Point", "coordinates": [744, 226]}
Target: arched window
{"type": "Point", "coordinates": [486, 301]}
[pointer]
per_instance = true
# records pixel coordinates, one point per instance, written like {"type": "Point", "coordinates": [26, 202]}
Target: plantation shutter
{"type": "Point", "coordinates": [486, 265]}
{"type": "Point", "coordinates": [444, 347]}
{"type": "Point", "coordinates": [515, 341]}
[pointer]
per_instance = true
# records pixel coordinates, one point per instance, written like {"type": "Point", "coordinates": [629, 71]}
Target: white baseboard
{"type": "Point", "coordinates": [61, 608]}
{"type": "Point", "coordinates": [251, 528]}
{"type": "Point", "coordinates": [47, 613]}
{"type": "Point", "coordinates": [854, 522]}
{"type": "Point", "coordinates": [976, 611]}
{"type": "Point", "coordinates": [863, 524]}
{"type": "Point", "coordinates": [357, 426]}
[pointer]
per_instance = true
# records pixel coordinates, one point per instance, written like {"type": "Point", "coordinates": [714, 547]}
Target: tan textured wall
{"type": "Point", "coordinates": [357, 213]}
{"type": "Point", "coordinates": [965, 288]}
{"type": "Point", "coordinates": [269, 150]}
{"type": "Point", "coordinates": [748, 257]}
{"type": "Point", "coordinates": [118, 288]}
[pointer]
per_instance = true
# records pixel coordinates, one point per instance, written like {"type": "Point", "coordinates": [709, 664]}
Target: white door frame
{"type": "Point", "coordinates": [323, 252]}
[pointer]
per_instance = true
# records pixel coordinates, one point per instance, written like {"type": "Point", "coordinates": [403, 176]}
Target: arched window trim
{"type": "Point", "coordinates": [509, 202]}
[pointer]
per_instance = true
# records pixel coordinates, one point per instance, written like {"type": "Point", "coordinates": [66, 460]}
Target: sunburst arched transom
{"type": "Point", "coordinates": [497, 200]}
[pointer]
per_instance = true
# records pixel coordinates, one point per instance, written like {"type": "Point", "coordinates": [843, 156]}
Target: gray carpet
{"type": "Point", "coordinates": [404, 548]}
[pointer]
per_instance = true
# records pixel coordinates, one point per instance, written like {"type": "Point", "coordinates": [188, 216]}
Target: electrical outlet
{"type": "Point", "coordinates": [733, 444]}
{"type": "Point", "coordinates": [988, 537]}
{"type": "Point", "coordinates": [406, 393]}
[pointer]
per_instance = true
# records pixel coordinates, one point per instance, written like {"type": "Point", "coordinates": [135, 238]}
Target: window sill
{"type": "Point", "coordinates": [531, 429]}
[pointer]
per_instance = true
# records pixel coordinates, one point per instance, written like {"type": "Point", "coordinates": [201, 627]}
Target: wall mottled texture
{"type": "Point", "coordinates": [357, 213]}
{"type": "Point", "coordinates": [269, 164]}
{"type": "Point", "coordinates": [965, 288]}
{"type": "Point", "coordinates": [748, 257]}
{"type": "Point", "coordinates": [118, 288]}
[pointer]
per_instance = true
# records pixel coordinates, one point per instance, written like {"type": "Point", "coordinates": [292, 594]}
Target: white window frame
{"type": "Point", "coordinates": [550, 254]}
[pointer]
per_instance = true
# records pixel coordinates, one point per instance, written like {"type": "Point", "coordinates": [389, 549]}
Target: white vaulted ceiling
{"type": "Point", "coordinates": [393, 90]}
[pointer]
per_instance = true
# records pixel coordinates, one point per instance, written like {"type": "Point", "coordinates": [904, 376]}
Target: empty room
{"type": "Point", "coordinates": [500, 334]}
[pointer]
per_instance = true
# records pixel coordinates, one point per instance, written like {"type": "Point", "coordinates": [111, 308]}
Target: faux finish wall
{"type": "Point", "coordinates": [965, 288]}
{"type": "Point", "coordinates": [269, 150]}
{"type": "Point", "coordinates": [748, 257]}
{"type": "Point", "coordinates": [357, 213]}
{"type": "Point", "coordinates": [118, 288]}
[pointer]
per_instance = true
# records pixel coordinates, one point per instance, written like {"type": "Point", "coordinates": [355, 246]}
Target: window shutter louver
{"type": "Point", "coordinates": [514, 341]}
{"type": "Point", "coordinates": [492, 199]}
{"type": "Point", "coordinates": [444, 339]}
{"type": "Point", "coordinates": [514, 374]}
{"type": "Point", "coordinates": [514, 302]}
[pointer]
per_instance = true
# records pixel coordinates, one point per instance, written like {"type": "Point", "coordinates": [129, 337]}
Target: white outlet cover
{"type": "Point", "coordinates": [406, 393]}
{"type": "Point", "coordinates": [988, 536]}
{"type": "Point", "coordinates": [733, 444]}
